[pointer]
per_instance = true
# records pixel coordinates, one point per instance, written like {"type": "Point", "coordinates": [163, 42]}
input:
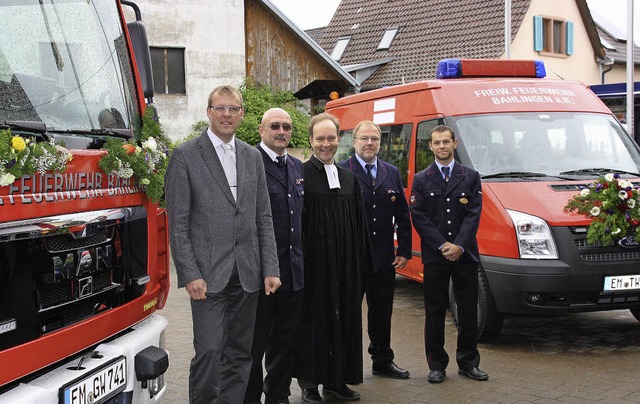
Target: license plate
{"type": "Point", "coordinates": [98, 386]}
{"type": "Point", "coordinates": [621, 283]}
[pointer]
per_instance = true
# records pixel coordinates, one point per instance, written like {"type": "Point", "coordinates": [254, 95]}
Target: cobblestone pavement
{"type": "Point", "coordinates": [579, 358]}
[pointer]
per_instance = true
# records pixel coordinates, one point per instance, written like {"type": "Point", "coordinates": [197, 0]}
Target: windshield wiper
{"type": "Point", "coordinates": [122, 133]}
{"type": "Point", "coordinates": [598, 171]}
{"type": "Point", "coordinates": [514, 174]}
{"type": "Point", "coordinates": [26, 126]}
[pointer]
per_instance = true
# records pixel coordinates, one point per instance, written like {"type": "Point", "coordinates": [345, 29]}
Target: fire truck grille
{"type": "Point", "coordinates": [54, 279]}
{"type": "Point", "coordinates": [54, 295]}
{"type": "Point", "coordinates": [67, 243]}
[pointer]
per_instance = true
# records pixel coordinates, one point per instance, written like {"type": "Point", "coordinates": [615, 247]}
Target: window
{"type": "Point", "coordinates": [394, 146]}
{"type": "Point", "coordinates": [340, 47]}
{"type": "Point", "coordinates": [387, 38]}
{"type": "Point", "coordinates": [552, 35]}
{"type": "Point", "coordinates": [168, 70]}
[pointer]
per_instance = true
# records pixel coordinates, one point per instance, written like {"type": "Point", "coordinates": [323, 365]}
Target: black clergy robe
{"type": "Point", "coordinates": [338, 257]}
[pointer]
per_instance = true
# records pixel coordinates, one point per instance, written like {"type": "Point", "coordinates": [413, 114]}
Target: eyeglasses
{"type": "Point", "coordinates": [231, 109]}
{"type": "Point", "coordinates": [367, 139]}
{"type": "Point", "coordinates": [285, 126]}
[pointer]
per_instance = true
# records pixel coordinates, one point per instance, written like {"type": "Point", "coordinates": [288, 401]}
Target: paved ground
{"type": "Point", "coordinates": [581, 358]}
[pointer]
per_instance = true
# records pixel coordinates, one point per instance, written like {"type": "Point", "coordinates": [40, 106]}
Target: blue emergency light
{"type": "Point", "coordinates": [458, 68]}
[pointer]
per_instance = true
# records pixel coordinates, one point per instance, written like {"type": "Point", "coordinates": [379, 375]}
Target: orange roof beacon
{"type": "Point", "coordinates": [535, 142]}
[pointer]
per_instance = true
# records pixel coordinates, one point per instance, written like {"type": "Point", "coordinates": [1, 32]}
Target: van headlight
{"type": "Point", "coordinates": [534, 236]}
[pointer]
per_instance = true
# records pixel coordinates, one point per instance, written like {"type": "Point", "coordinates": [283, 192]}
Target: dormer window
{"type": "Point", "coordinates": [340, 47]}
{"type": "Point", "coordinates": [387, 38]}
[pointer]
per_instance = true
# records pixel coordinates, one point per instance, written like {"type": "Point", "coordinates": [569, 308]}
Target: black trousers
{"type": "Point", "coordinates": [222, 337]}
{"type": "Point", "coordinates": [379, 290]}
{"type": "Point", "coordinates": [464, 276]}
{"type": "Point", "coordinates": [277, 321]}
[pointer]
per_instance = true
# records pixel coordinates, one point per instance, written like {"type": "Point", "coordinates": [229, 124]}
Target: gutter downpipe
{"type": "Point", "coordinates": [630, 65]}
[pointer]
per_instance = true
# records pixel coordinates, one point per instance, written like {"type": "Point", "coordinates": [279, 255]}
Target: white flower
{"type": "Point", "coordinates": [595, 211]}
{"type": "Point", "coordinates": [6, 179]}
{"type": "Point", "coordinates": [609, 177]}
{"type": "Point", "coordinates": [616, 231]}
{"type": "Point", "coordinates": [145, 181]}
{"type": "Point", "coordinates": [150, 144]}
{"type": "Point", "coordinates": [625, 184]}
{"type": "Point", "coordinates": [631, 203]}
{"type": "Point", "coordinates": [584, 192]}
{"type": "Point", "coordinates": [622, 195]}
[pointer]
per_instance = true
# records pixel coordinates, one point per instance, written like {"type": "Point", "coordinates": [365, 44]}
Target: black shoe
{"type": "Point", "coordinates": [311, 396]}
{"type": "Point", "coordinates": [342, 392]}
{"type": "Point", "coordinates": [474, 373]}
{"type": "Point", "coordinates": [437, 376]}
{"type": "Point", "coordinates": [390, 370]}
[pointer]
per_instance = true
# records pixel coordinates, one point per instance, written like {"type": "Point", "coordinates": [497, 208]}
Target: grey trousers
{"type": "Point", "coordinates": [222, 337]}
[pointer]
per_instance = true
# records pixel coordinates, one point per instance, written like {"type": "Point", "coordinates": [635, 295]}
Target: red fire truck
{"type": "Point", "coordinates": [535, 142]}
{"type": "Point", "coordinates": [84, 261]}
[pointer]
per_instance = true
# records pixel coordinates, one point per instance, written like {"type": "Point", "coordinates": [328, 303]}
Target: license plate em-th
{"type": "Point", "coordinates": [621, 283]}
{"type": "Point", "coordinates": [98, 386]}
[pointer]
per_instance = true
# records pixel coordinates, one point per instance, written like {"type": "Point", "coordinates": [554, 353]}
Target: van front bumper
{"type": "Point", "coordinates": [548, 287]}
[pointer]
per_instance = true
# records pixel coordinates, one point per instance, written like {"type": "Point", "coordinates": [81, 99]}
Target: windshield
{"type": "Point", "coordinates": [65, 63]}
{"type": "Point", "coordinates": [551, 143]}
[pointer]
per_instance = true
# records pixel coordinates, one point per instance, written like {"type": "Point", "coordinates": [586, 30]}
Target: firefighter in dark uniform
{"type": "Point", "coordinates": [446, 201]}
{"type": "Point", "coordinates": [387, 213]}
{"type": "Point", "coordinates": [278, 314]}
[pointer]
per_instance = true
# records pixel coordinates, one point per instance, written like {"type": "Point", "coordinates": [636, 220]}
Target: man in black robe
{"type": "Point", "coordinates": [338, 257]}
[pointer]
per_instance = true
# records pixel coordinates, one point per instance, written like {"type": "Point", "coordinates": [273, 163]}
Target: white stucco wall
{"type": "Point", "coordinates": [581, 65]}
{"type": "Point", "coordinates": [212, 33]}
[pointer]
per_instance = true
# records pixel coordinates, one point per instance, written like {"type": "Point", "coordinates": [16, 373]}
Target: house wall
{"type": "Point", "coordinates": [581, 65]}
{"type": "Point", "coordinates": [212, 33]}
{"type": "Point", "coordinates": [278, 58]}
{"type": "Point", "coordinates": [619, 74]}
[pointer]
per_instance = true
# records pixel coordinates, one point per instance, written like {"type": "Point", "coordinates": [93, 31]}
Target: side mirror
{"type": "Point", "coordinates": [143, 56]}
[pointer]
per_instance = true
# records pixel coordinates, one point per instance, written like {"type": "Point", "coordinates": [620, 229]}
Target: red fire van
{"type": "Point", "coordinates": [535, 142]}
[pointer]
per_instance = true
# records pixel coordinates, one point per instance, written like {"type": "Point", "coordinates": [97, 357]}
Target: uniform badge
{"type": "Point", "coordinates": [464, 201]}
{"type": "Point", "coordinates": [412, 199]}
{"type": "Point", "coordinates": [299, 181]}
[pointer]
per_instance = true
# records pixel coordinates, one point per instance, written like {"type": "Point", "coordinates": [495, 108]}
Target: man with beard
{"type": "Point", "coordinates": [338, 258]}
{"type": "Point", "coordinates": [446, 201]}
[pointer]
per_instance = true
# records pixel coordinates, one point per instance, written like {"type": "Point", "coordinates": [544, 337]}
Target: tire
{"type": "Point", "coordinates": [489, 319]}
{"type": "Point", "coordinates": [636, 313]}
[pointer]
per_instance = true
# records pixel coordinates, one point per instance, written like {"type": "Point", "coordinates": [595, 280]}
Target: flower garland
{"type": "Point", "coordinates": [613, 205]}
{"type": "Point", "coordinates": [23, 155]}
{"type": "Point", "coordinates": [147, 159]}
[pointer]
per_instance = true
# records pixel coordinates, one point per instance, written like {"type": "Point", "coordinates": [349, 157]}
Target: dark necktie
{"type": "Point", "coordinates": [369, 168]}
{"type": "Point", "coordinates": [445, 171]}
{"type": "Point", "coordinates": [281, 165]}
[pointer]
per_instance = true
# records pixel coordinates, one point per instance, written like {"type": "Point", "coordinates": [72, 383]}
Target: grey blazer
{"type": "Point", "coordinates": [209, 232]}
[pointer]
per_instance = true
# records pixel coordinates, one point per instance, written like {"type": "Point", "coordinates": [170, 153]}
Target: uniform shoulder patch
{"type": "Point", "coordinates": [412, 199]}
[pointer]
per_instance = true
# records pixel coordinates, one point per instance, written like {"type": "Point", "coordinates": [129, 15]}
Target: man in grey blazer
{"type": "Point", "coordinates": [223, 247]}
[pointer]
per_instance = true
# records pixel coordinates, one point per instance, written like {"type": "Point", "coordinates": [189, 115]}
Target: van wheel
{"type": "Point", "coordinates": [489, 319]}
{"type": "Point", "coordinates": [636, 313]}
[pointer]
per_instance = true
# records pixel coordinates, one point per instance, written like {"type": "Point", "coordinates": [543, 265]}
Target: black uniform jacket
{"type": "Point", "coordinates": [384, 202]}
{"type": "Point", "coordinates": [287, 202]}
{"type": "Point", "coordinates": [446, 211]}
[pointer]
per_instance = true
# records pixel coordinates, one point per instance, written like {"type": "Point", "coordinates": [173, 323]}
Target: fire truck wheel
{"type": "Point", "coordinates": [489, 319]}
